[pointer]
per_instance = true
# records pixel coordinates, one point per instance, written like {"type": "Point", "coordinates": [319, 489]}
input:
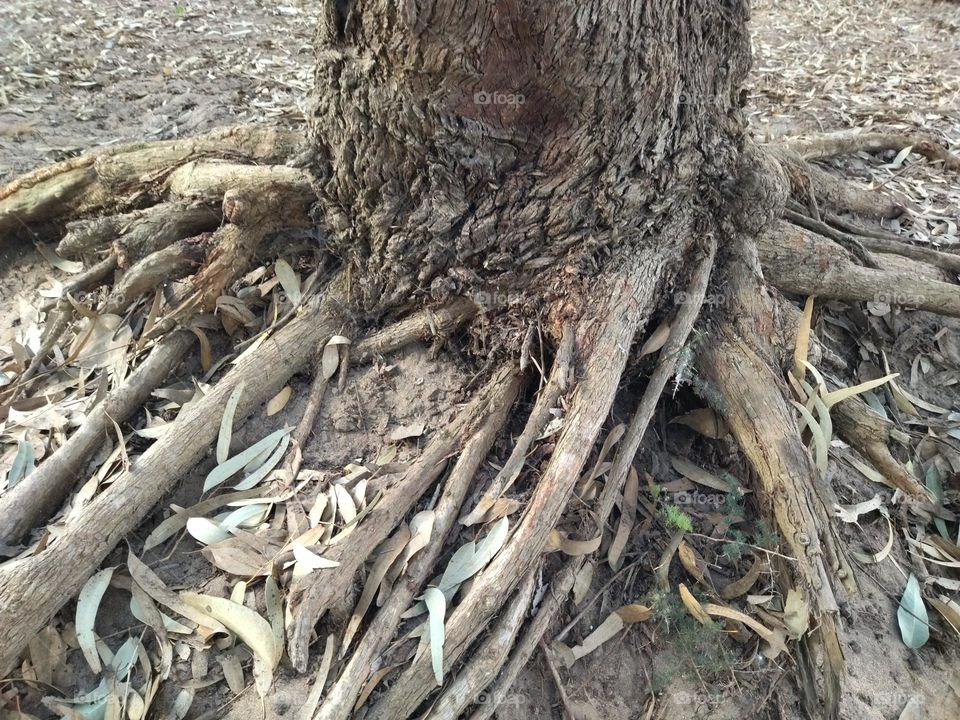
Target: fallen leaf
{"type": "Point", "coordinates": [693, 606]}
{"type": "Point", "coordinates": [279, 401]}
{"type": "Point", "coordinates": [657, 340]}
{"type": "Point", "coordinates": [796, 614]}
{"type": "Point", "coordinates": [436, 607]}
{"type": "Point", "coordinates": [705, 421]}
{"type": "Point", "coordinates": [87, 605]}
{"type": "Point", "coordinates": [405, 432]}
{"type": "Point", "coordinates": [912, 616]}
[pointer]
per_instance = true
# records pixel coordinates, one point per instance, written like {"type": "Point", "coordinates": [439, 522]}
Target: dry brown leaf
{"type": "Point", "coordinates": [558, 540]}
{"type": "Point", "coordinates": [695, 565]}
{"type": "Point", "coordinates": [705, 421]}
{"type": "Point", "coordinates": [279, 401]}
{"type": "Point", "coordinates": [634, 613]}
{"type": "Point", "coordinates": [743, 585]}
{"type": "Point", "coordinates": [764, 632]}
{"type": "Point", "coordinates": [628, 515]}
{"type": "Point", "coordinates": [803, 338]}
{"type": "Point", "coordinates": [693, 606]}
{"type": "Point", "coordinates": [657, 340]}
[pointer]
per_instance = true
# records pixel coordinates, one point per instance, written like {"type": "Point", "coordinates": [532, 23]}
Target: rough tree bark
{"type": "Point", "coordinates": [571, 161]}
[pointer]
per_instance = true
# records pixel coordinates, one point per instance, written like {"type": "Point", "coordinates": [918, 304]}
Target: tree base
{"type": "Point", "coordinates": [751, 334]}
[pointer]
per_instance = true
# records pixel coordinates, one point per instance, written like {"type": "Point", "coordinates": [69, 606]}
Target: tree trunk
{"type": "Point", "coordinates": [507, 148]}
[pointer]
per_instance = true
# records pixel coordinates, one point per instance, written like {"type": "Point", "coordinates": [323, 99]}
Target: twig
{"type": "Point", "coordinates": [564, 700]}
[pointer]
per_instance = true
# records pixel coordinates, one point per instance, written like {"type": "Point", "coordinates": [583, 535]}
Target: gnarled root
{"type": "Point", "coordinates": [847, 142]}
{"type": "Point", "coordinates": [492, 405]}
{"type": "Point", "coordinates": [799, 261]}
{"type": "Point", "coordinates": [32, 501]}
{"type": "Point", "coordinates": [603, 345]}
{"type": "Point", "coordinates": [482, 418]}
{"type": "Point", "coordinates": [109, 178]}
{"type": "Point", "coordinates": [814, 187]}
{"type": "Point", "coordinates": [738, 368]}
{"type": "Point", "coordinates": [486, 661]}
{"type": "Point", "coordinates": [34, 588]}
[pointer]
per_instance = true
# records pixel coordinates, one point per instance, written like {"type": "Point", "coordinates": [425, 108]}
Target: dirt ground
{"type": "Point", "coordinates": [81, 73]}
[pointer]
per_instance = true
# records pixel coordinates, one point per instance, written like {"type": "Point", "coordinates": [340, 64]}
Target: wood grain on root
{"type": "Point", "coordinates": [139, 233]}
{"type": "Point", "coordinates": [484, 664]}
{"type": "Point", "coordinates": [751, 401]}
{"type": "Point", "coordinates": [799, 261]}
{"type": "Point", "coordinates": [34, 588]}
{"type": "Point", "coordinates": [31, 502]}
{"type": "Point", "coordinates": [557, 383]}
{"type": "Point", "coordinates": [602, 349]}
{"type": "Point", "coordinates": [315, 594]}
{"type": "Point", "coordinates": [104, 179]}
{"type": "Point", "coordinates": [562, 582]}
{"type": "Point", "coordinates": [342, 697]}
{"type": "Point", "coordinates": [809, 182]}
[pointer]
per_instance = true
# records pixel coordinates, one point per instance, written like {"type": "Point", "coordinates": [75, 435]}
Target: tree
{"type": "Point", "coordinates": [585, 163]}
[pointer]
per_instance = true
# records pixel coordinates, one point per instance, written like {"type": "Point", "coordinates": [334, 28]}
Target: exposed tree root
{"type": "Point", "coordinates": [848, 242]}
{"type": "Point", "coordinates": [484, 417]}
{"type": "Point", "coordinates": [113, 177]}
{"type": "Point", "coordinates": [32, 501]}
{"type": "Point", "coordinates": [553, 602]}
{"type": "Point", "coordinates": [603, 344]}
{"type": "Point", "coordinates": [869, 433]}
{"type": "Point", "coordinates": [812, 185]}
{"type": "Point", "coordinates": [484, 664]}
{"type": "Point", "coordinates": [90, 278]}
{"type": "Point", "coordinates": [34, 588]}
{"type": "Point", "coordinates": [438, 322]}
{"type": "Point", "coordinates": [880, 241]}
{"type": "Point", "coordinates": [848, 142]}
{"type": "Point", "coordinates": [745, 390]}
{"type": "Point", "coordinates": [802, 262]}
{"type": "Point", "coordinates": [562, 582]}
{"type": "Point", "coordinates": [547, 400]}
{"type": "Point", "coordinates": [171, 263]}
{"type": "Point", "coordinates": [141, 232]}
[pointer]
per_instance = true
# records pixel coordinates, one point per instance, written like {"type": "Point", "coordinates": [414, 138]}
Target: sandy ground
{"type": "Point", "coordinates": [86, 72]}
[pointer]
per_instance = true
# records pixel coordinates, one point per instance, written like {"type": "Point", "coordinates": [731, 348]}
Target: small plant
{"type": "Point", "coordinates": [674, 517]}
{"type": "Point", "coordinates": [693, 650]}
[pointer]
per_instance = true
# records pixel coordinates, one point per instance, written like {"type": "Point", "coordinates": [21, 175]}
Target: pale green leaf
{"type": "Point", "coordinates": [87, 605]}
{"type": "Point", "coordinates": [437, 607]}
{"type": "Point", "coordinates": [226, 424]}
{"type": "Point", "coordinates": [912, 616]}
{"type": "Point", "coordinates": [224, 471]}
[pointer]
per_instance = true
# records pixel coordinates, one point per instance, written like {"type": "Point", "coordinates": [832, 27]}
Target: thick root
{"type": "Point", "coordinates": [604, 344]}
{"type": "Point", "coordinates": [136, 234]}
{"type": "Point", "coordinates": [493, 404]}
{"type": "Point", "coordinates": [799, 261]}
{"type": "Point", "coordinates": [31, 502]}
{"type": "Point", "coordinates": [848, 142]}
{"type": "Point", "coordinates": [814, 187]}
{"type": "Point", "coordinates": [536, 422]}
{"type": "Point", "coordinates": [485, 663]}
{"type": "Point", "coordinates": [880, 241]}
{"type": "Point", "coordinates": [34, 588]}
{"type": "Point", "coordinates": [737, 367]}
{"type": "Point", "coordinates": [110, 178]}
